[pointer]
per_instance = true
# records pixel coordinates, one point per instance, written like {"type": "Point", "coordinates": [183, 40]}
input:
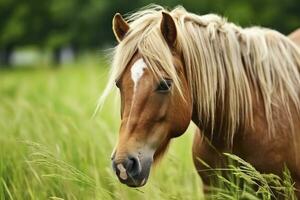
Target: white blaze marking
{"type": "Point", "coordinates": [123, 174]}
{"type": "Point", "coordinates": [137, 71]}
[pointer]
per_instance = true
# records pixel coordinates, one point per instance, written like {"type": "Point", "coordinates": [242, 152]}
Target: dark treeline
{"type": "Point", "coordinates": [86, 24]}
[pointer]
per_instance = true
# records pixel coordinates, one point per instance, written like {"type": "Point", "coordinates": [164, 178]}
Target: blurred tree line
{"type": "Point", "coordinates": [86, 24]}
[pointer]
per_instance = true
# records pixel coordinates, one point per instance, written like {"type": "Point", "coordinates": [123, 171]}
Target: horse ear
{"type": "Point", "coordinates": [168, 29]}
{"type": "Point", "coordinates": [120, 27]}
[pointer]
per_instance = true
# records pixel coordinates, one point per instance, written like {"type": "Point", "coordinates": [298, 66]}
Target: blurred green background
{"type": "Point", "coordinates": [53, 67]}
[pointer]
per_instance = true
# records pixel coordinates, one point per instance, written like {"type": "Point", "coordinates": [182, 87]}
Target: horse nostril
{"type": "Point", "coordinates": [129, 167]}
{"type": "Point", "coordinates": [134, 166]}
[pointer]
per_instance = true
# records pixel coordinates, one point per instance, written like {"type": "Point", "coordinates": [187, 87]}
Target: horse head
{"type": "Point", "coordinates": [153, 110]}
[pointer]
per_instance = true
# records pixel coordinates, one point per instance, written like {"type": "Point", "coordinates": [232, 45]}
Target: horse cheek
{"type": "Point", "coordinates": [180, 123]}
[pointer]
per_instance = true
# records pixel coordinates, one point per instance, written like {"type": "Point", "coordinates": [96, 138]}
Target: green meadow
{"type": "Point", "coordinates": [52, 148]}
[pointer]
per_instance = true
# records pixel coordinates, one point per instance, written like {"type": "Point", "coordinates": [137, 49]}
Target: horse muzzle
{"type": "Point", "coordinates": [132, 170]}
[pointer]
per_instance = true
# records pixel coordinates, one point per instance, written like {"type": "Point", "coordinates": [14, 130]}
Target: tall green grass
{"type": "Point", "coordinates": [240, 180]}
{"type": "Point", "coordinates": [52, 148]}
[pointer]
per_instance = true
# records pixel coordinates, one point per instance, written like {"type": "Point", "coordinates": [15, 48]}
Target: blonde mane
{"type": "Point", "coordinates": [225, 64]}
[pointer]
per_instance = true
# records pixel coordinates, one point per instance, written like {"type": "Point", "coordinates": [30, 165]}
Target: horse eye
{"type": "Point", "coordinates": [164, 85]}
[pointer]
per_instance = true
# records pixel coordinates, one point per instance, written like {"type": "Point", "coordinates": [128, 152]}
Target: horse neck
{"type": "Point", "coordinates": [216, 133]}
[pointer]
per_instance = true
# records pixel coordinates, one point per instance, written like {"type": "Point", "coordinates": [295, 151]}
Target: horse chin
{"type": "Point", "coordinates": [140, 179]}
{"type": "Point", "coordinates": [136, 183]}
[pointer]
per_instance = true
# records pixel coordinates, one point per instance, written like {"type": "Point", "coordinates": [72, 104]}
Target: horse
{"type": "Point", "coordinates": [295, 36]}
{"type": "Point", "coordinates": [239, 86]}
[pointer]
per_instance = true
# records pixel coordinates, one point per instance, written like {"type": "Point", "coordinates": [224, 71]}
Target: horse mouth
{"type": "Point", "coordinates": [136, 183]}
